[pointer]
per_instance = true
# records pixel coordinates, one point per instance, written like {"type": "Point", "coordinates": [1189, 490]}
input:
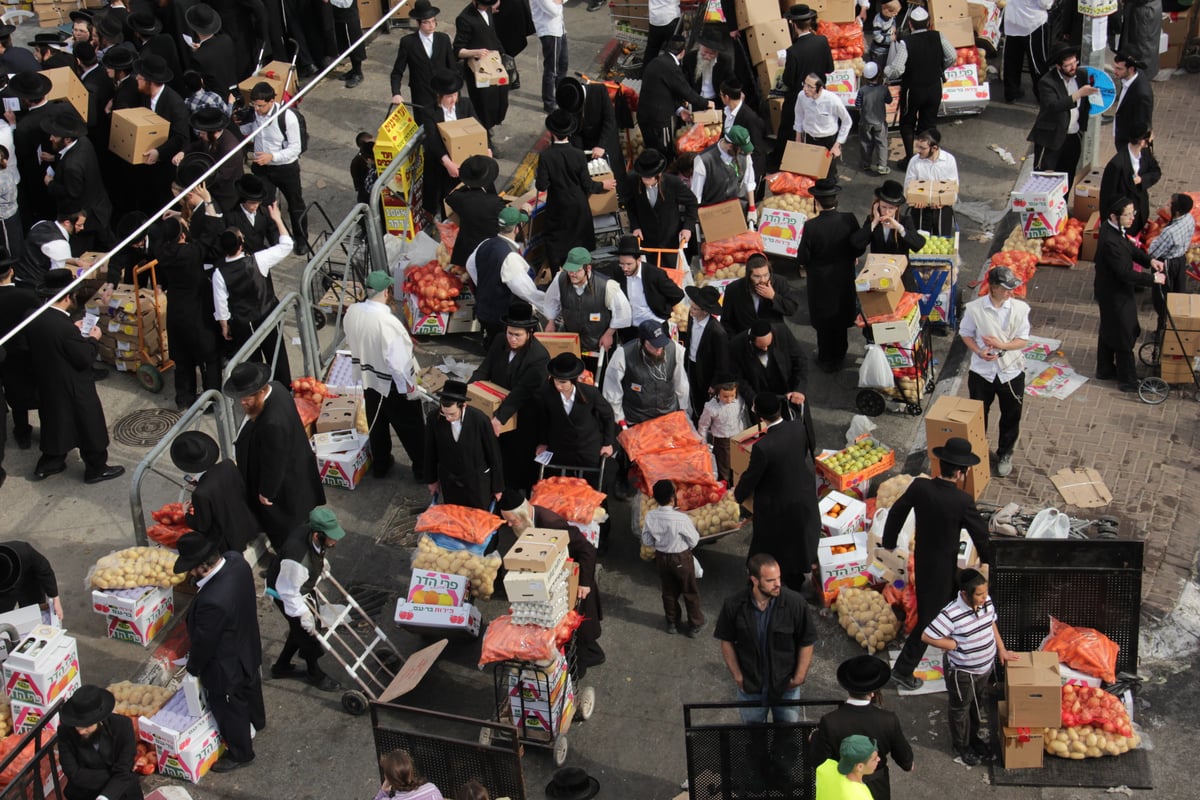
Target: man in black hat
{"type": "Point", "coordinates": [737, 111]}
{"type": "Point", "coordinates": [441, 172]}
{"type": "Point", "coordinates": [217, 507]}
{"type": "Point", "coordinates": [462, 455]}
{"type": "Point", "coordinates": [273, 453]}
{"type": "Point", "coordinates": [14, 59]}
{"type": "Point", "coordinates": [69, 408]}
{"type": "Point", "coordinates": [580, 300]}
{"type": "Point", "coordinates": [259, 232]}
{"type": "Point", "coordinates": [76, 177]}
{"type": "Point", "coordinates": [100, 90]}
{"type": "Point", "coordinates": [118, 64]}
{"type": "Point", "coordinates": [34, 198]}
{"type": "Point", "coordinates": [1132, 172]}
{"type": "Point", "coordinates": [501, 274]}
{"type": "Point", "coordinates": [705, 343]}
{"type": "Point", "coordinates": [666, 94]}
{"type": "Point", "coordinates": [942, 510]}
{"type": "Point", "coordinates": [16, 370]}
{"type": "Point", "coordinates": [576, 423]}
{"type": "Point", "coordinates": [828, 256]}
{"type": "Point", "coordinates": [422, 53]}
{"type": "Point", "coordinates": [212, 53]}
{"type": "Point", "coordinates": [662, 209]}
{"type": "Point", "coordinates": [761, 294]}
{"type": "Point", "coordinates": [226, 648]}
{"type": "Point", "coordinates": [1135, 99]}
{"type": "Point", "coordinates": [767, 359]}
{"type": "Point", "coordinates": [48, 244]}
{"type": "Point", "coordinates": [214, 139]}
{"type": "Point", "coordinates": [862, 714]}
{"type": "Point", "coordinates": [709, 65]}
{"type": "Point", "coordinates": [595, 120]}
{"type": "Point", "coordinates": [886, 230]}
{"type": "Point", "coordinates": [651, 293]}
{"type": "Point", "coordinates": [475, 37]}
{"type": "Point", "coordinates": [477, 205]}
{"type": "Point", "coordinates": [110, 29]}
{"type": "Point", "coordinates": [52, 50]}
{"type": "Point", "coordinates": [918, 61]}
{"type": "Point", "coordinates": [147, 38]}
{"type": "Point", "coordinates": [27, 579]}
{"type": "Point", "coordinates": [808, 54]}
{"type": "Point", "coordinates": [276, 157]}
{"type": "Point", "coordinates": [1063, 111]}
{"type": "Point", "coordinates": [97, 748]}
{"type": "Point", "coordinates": [153, 76]}
{"type": "Point", "coordinates": [82, 29]}
{"type": "Point", "coordinates": [646, 378]}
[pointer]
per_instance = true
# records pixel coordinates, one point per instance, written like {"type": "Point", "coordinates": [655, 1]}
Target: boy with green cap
{"type": "Point", "coordinates": [843, 779]}
{"type": "Point", "coordinates": [724, 171]}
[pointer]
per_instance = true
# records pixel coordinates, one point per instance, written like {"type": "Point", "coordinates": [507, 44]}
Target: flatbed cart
{"type": "Point", "coordinates": [514, 680]}
{"type": "Point", "coordinates": [153, 365]}
{"type": "Point", "coordinates": [874, 402]}
{"type": "Point", "coordinates": [1155, 390]}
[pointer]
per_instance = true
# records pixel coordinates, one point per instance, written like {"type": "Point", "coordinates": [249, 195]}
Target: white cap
{"type": "Point", "coordinates": [870, 70]}
{"type": "Point", "coordinates": [919, 15]}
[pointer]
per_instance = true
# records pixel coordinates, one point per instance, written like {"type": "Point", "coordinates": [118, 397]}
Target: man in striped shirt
{"type": "Point", "coordinates": [966, 630]}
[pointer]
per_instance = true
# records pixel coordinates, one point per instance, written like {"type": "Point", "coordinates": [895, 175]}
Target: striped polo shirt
{"type": "Point", "coordinates": [971, 629]}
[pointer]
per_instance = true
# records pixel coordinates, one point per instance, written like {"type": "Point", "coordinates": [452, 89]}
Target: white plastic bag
{"type": "Point", "coordinates": [859, 425]}
{"type": "Point", "coordinates": [1049, 523]}
{"type": "Point", "coordinates": [699, 569]}
{"type": "Point", "coordinates": [875, 372]}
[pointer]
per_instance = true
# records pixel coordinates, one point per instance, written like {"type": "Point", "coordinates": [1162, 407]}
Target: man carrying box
{"type": "Point", "coordinates": [821, 119]}
{"type": "Point", "coordinates": [966, 630]}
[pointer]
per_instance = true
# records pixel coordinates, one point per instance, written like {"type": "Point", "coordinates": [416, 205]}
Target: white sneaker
{"type": "Point", "coordinates": [1004, 466]}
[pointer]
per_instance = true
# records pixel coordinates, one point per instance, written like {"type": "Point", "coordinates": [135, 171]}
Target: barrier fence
{"type": "Point", "coordinates": [333, 280]}
{"type": "Point", "coordinates": [31, 766]}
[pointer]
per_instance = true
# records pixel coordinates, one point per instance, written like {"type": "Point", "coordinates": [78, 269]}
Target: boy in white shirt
{"type": "Point", "coordinates": [724, 416]}
{"type": "Point", "coordinates": [673, 535]}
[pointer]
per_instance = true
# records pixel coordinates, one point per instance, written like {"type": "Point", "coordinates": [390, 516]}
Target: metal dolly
{"type": "Point", "coordinates": [874, 402]}
{"type": "Point", "coordinates": [1012, 520]}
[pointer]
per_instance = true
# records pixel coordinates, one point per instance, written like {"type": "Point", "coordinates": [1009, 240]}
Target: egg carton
{"type": "Point", "coordinates": [544, 615]}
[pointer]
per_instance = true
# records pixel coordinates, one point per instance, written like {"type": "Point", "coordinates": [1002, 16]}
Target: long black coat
{"type": "Point", "coordinates": [221, 183]}
{"type": "Point", "coordinates": [478, 213]}
{"type": "Point", "coordinates": [189, 290]}
{"type": "Point", "coordinates": [27, 137]}
{"type": "Point", "coordinates": [276, 462]}
{"type": "Point", "coordinates": [828, 253]}
{"type": "Point", "coordinates": [942, 510]}
{"type": "Point", "coordinates": [712, 360]}
{"type": "Point", "coordinates": [102, 765]}
{"type": "Point", "coordinates": [1136, 110]}
{"type": "Point", "coordinates": [437, 180]}
{"type": "Point", "coordinates": [890, 244]}
{"type": "Point", "coordinates": [69, 408]}
{"type": "Point", "coordinates": [410, 57]}
{"type": "Point", "coordinates": [1113, 286]}
{"type": "Point", "coordinates": [1054, 112]}
{"type": "Point", "coordinates": [523, 377]}
{"type": "Point", "coordinates": [257, 235]}
{"type": "Point", "coordinates": [77, 177]}
{"type": "Point", "coordinates": [780, 478]}
{"type": "Point", "coordinates": [597, 127]}
{"type": "Point", "coordinates": [214, 59]}
{"type": "Point", "coordinates": [661, 223]}
{"type": "Point", "coordinates": [20, 383]}
{"type": "Point", "coordinates": [219, 508]}
{"type": "Point", "coordinates": [100, 90]}
{"type": "Point", "coordinates": [36, 582]}
{"type": "Point", "coordinates": [1117, 181]}
{"type": "Point", "coordinates": [575, 438]}
{"type": "Point", "coordinates": [662, 294]}
{"type": "Point", "coordinates": [739, 312]}
{"type": "Point", "coordinates": [786, 370]}
{"type": "Point", "coordinates": [514, 25]}
{"type": "Point", "coordinates": [664, 89]}
{"type": "Point", "coordinates": [562, 173]}
{"type": "Point", "coordinates": [222, 624]}
{"type": "Point", "coordinates": [879, 725]}
{"type": "Point", "coordinates": [470, 470]}
{"type": "Point", "coordinates": [472, 33]}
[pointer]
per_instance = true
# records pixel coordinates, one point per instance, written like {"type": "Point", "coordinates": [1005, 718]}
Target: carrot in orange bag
{"type": "Point", "coordinates": [471, 525]}
{"type": "Point", "coordinates": [659, 434]}
{"type": "Point", "coordinates": [790, 183]}
{"type": "Point", "coordinates": [571, 498]}
{"type": "Point", "coordinates": [506, 641]}
{"type": "Point", "coordinates": [1085, 649]}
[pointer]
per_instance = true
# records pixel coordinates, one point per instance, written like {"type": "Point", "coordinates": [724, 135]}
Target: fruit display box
{"type": "Point", "coordinates": [1041, 192]}
{"type": "Point", "coordinates": [848, 468]}
{"type": "Point", "coordinates": [427, 587]}
{"type": "Point", "coordinates": [842, 563]}
{"type": "Point", "coordinates": [44, 667]}
{"type": "Point", "coordinates": [841, 514]}
{"type": "Point", "coordinates": [938, 252]}
{"type": "Point", "coordinates": [129, 604]}
{"type": "Point", "coordinates": [417, 616]}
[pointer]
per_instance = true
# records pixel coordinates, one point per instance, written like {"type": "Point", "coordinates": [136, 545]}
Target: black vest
{"type": "Point", "coordinates": [720, 182]}
{"type": "Point", "coordinates": [924, 66]}
{"type": "Point", "coordinates": [34, 264]}
{"type": "Point", "coordinates": [578, 310]}
{"type": "Point", "coordinates": [492, 297]}
{"type": "Point", "coordinates": [251, 294]}
{"type": "Point", "coordinates": [652, 396]}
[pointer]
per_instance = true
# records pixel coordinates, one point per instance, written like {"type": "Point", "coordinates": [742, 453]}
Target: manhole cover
{"type": "Point", "coordinates": [145, 428]}
{"type": "Point", "coordinates": [399, 529]}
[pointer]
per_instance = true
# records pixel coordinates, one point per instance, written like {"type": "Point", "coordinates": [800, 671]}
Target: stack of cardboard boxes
{"type": "Point", "coordinates": [134, 615]}
{"type": "Point", "coordinates": [1041, 203]}
{"type": "Point", "coordinates": [343, 451]}
{"type": "Point", "coordinates": [119, 320]}
{"type": "Point", "coordinates": [1085, 207]}
{"type": "Point", "coordinates": [41, 671]}
{"type": "Point", "coordinates": [184, 732]}
{"type": "Point", "coordinates": [1033, 692]}
{"type": "Point", "coordinates": [894, 316]}
{"type": "Point", "coordinates": [959, 417]}
{"type": "Point", "coordinates": [1182, 343]}
{"type": "Point", "coordinates": [1174, 37]}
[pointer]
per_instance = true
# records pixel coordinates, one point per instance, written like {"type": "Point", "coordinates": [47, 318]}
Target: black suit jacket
{"type": "Point", "coordinates": [808, 54]}
{"type": "Point", "coordinates": [77, 177]}
{"type": "Point", "coordinates": [100, 90]}
{"type": "Point", "coordinates": [829, 254]}
{"type": "Point", "coordinates": [36, 582]}
{"type": "Point", "coordinates": [221, 183]}
{"type": "Point", "coordinates": [469, 470]}
{"type": "Point", "coordinates": [739, 313]}
{"type": "Point", "coordinates": [575, 438]}
{"type": "Point", "coordinates": [786, 370]}
{"type": "Point", "coordinates": [103, 765]}
{"type": "Point", "coordinates": [222, 624]}
{"type": "Point", "coordinates": [478, 211]}
{"type": "Point", "coordinates": [216, 60]}
{"type": "Point", "coordinates": [472, 33]}
{"type": "Point", "coordinates": [163, 45]}
{"type": "Point", "coordinates": [662, 294]}
{"type": "Point", "coordinates": [514, 25]}
{"type": "Point", "coordinates": [660, 224]}
{"type": "Point", "coordinates": [1136, 110]}
{"type": "Point", "coordinates": [877, 724]}
{"type": "Point", "coordinates": [712, 360]}
{"type": "Point", "coordinates": [260, 234]}
{"type": "Point", "coordinates": [1113, 286]}
{"type": "Point", "coordinates": [16, 370]}
{"type": "Point", "coordinates": [410, 56]}
{"type": "Point", "coordinates": [219, 509]}
{"type": "Point", "coordinates": [126, 94]}
{"type": "Point", "coordinates": [523, 376]}
{"type": "Point", "coordinates": [1117, 181]}
{"type": "Point", "coordinates": [722, 71]}
{"type": "Point", "coordinates": [172, 108]}
{"type": "Point", "coordinates": [27, 137]}
{"type": "Point", "coordinates": [749, 119]}
{"type": "Point", "coordinates": [664, 89]}
{"type": "Point", "coordinates": [1054, 112]}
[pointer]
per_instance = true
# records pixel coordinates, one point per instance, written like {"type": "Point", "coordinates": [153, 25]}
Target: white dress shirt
{"type": "Point", "coordinates": [614, 300]}
{"type": "Point", "coordinates": [982, 318]}
{"type": "Point", "coordinates": [514, 273]}
{"type": "Point", "coordinates": [747, 182]}
{"type": "Point", "coordinates": [945, 168]}
{"type": "Point", "coordinates": [637, 298]}
{"type": "Point", "coordinates": [547, 17]}
{"type": "Point", "coordinates": [427, 43]}
{"type": "Point", "coordinates": [270, 139]}
{"type": "Point", "coordinates": [1023, 17]}
{"type": "Point", "coordinates": [695, 334]}
{"type": "Point", "coordinates": [663, 11]}
{"type": "Point", "coordinates": [822, 116]}
{"type": "Point", "coordinates": [568, 400]}
{"type": "Point", "coordinates": [58, 250]}
{"type": "Point", "coordinates": [614, 393]}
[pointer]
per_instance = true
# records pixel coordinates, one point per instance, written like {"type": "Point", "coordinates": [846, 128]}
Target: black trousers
{"type": "Point", "coordinates": [241, 330]}
{"type": "Point", "coordinates": [914, 648]}
{"type": "Point", "coordinates": [1064, 159]}
{"type": "Point", "coordinates": [286, 178]}
{"type": "Point", "coordinates": [832, 342]}
{"type": "Point", "coordinates": [396, 413]}
{"type": "Point", "coordinates": [1010, 395]}
{"type": "Point", "coordinates": [967, 692]}
{"type": "Point", "coordinates": [1115, 363]}
{"type": "Point", "coordinates": [302, 642]}
{"type": "Point", "coordinates": [235, 711]}
{"type": "Point", "coordinates": [190, 355]}
{"type": "Point", "coordinates": [656, 37]}
{"type": "Point", "coordinates": [677, 573]}
{"type": "Point", "coordinates": [918, 111]}
{"type": "Point", "coordinates": [1034, 48]}
{"type": "Point", "coordinates": [659, 138]}
{"type": "Point", "coordinates": [341, 27]}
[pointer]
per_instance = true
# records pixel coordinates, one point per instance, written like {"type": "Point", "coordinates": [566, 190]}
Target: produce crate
{"type": "Point", "coordinates": [852, 479]}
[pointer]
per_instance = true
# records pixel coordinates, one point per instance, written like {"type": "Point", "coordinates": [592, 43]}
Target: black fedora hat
{"type": "Point", "coordinates": [890, 192]}
{"type": "Point", "coordinates": [80, 15]}
{"type": "Point", "coordinates": [54, 281]}
{"type": "Point", "coordinates": [144, 23]}
{"type": "Point", "coordinates": [706, 298]}
{"type": "Point", "coordinates": [191, 167]}
{"type": "Point", "coordinates": [801, 13]}
{"type": "Point", "coordinates": [250, 187]}
{"type": "Point", "coordinates": [863, 674]}
{"type": "Point", "coordinates": [55, 39]}
{"type": "Point", "coordinates": [519, 315]}
{"type": "Point", "coordinates": [569, 95]}
{"type": "Point", "coordinates": [649, 163]}
{"type": "Point", "coordinates": [10, 568]}
{"type": "Point", "coordinates": [565, 367]}
{"type": "Point", "coordinates": [712, 38]}
{"type": "Point", "coordinates": [203, 19]}
{"type": "Point", "coordinates": [246, 379]}
{"type": "Point", "coordinates": [453, 390]}
{"type": "Point", "coordinates": [111, 28]}
{"type": "Point", "coordinates": [194, 451]}
{"type": "Point", "coordinates": [88, 706]}
{"type": "Point", "coordinates": [119, 58]}
{"type": "Point", "coordinates": [478, 171]}
{"type": "Point", "coordinates": [209, 120]}
{"type": "Point", "coordinates": [423, 10]}
{"type": "Point", "coordinates": [154, 68]}
{"type": "Point", "coordinates": [956, 451]}
{"type": "Point", "coordinates": [572, 783]}
{"type": "Point", "coordinates": [826, 187]}
{"type": "Point", "coordinates": [7, 30]}
{"type": "Point", "coordinates": [193, 549]}
{"type": "Point", "coordinates": [66, 123]}
{"type": "Point", "coordinates": [561, 123]}
{"type": "Point", "coordinates": [629, 246]}
{"type": "Point", "coordinates": [28, 86]}
{"type": "Point", "coordinates": [446, 81]}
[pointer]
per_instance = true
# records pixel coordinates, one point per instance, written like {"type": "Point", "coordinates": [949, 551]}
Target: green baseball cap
{"type": "Point", "coordinates": [854, 750]}
{"type": "Point", "coordinates": [577, 259]}
{"type": "Point", "coordinates": [510, 216]}
{"type": "Point", "coordinates": [739, 137]}
{"type": "Point", "coordinates": [379, 280]}
{"type": "Point", "coordinates": [324, 520]}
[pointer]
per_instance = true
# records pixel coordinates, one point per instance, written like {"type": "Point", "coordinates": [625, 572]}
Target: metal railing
{"type": "Point", "coordinates": [375, 201]}
{"type": "Point", "coordinates": [321, 276]}
{"type": "Point", "coordinates": [38, 779]}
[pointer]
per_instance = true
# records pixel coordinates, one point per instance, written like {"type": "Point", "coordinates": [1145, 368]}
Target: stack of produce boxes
{"type": "Point", "coordinates": [118, 323]}
{"type": "Point", "coordinates": [42, 670]}
{"type": "Point", "coordinates": [935, 266]}
{"type": "Point", "coordinates": [438, 600]}
{"type": "Point", "coordinates": [451, 563]}
{"type": "Point", "coordinates": [895, 319]}
{"type": "Point", "coordinates": [186, 737]}
{"type": "Point", "coordinates": [1181, 344]}
{"type": "Point", "coordinates": [1033, 692]}
{"type": "Point", "coordinates": [1041, 203]}
{"type": "Point", "coordinates": [843, 557]}
{"type": "Point", "coordinates": [134, 615]}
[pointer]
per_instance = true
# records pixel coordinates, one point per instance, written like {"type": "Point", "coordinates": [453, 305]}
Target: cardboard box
{"type": "Point", "coordinates": [1033, 689]}
{"type": "Point", "coordinates": [968, 556]}
{"type": "Point", "coordinates": [535, 587]}
{"type": "Point", "coordinates": [960, 417]}
{"type": "Point", "coordinates": [337, 414]}
{"type": "Point", "coordinates": [1185, 310]}
{"type": "Point", "coordinates": [405, 191]}
{"type": "Point", "coordinates": [1083, 486]}
{"type": "Point", "coordinates": [533, 691]}
{"type": "Point", "coordinates": [781, 230]}
{"type": "Point", "coordinates": [806, 159]}
{"type": "Point", "coordinates": [422, 324]}
{"type": "Point", "coordinates": [136, 131]}
{"type": "Point", "coordinates": [173, 728]}
{"type": "Point", "coordinates": [739, 448]}
{"type": "Point", "coordinates": [881, 273]}
{"type": "Point", "coordinates": [842, 570]}
{"type": "Point", "coordinates": [487, 397]}
{"type": "Point", "coordinates": [901, 331]}
{"type": "Point", "coordinates": [369, 12]}
{"type": "Point", "coordinates": [940, 10]}
{"type": "Point", "coordinates": [128, 604]}
{"type": "Point", "coordinates": [834, 10]}
{"type": "Point", "coordinates": [1180, 343]}
{"type": "Point", "coordinates": [775, 107]}
{"type": "Point", "coordinates": [573, 578]}
{"type": "Point", "coordinates": [766, 39]}
{"type": "Point", "coordinates": [1171, 57]}
{"type": "Point", "coordinates": [1174, 369]}
{"type": "Point", "coordinates": [463, 138]}
{"type": "Point", "coordinates": [958, 32]}
{"type": "Point", "coordinates": [1042, 191]}
{"type": "Point", "coordinates": [43, 668]}
{"type": "Point", "coordinates": [427, 587]}
{"type": "Point", "coordinates": [346, 470]}
{"type": "Point", "coordinates": [708, 117]}
{"type": "Point", "coordinates": [1086, 197]}
{"type": "Point", "coordinates": [488, 71]}
{"type": "Point", "coordinates": [64, 85]}
{"type": "Point", "coordinates": [880, 303]}
{"type": "Point", "coordinates": [841, 514]}
{"type": "Point", "coordinates": [334, 443]}
{"type": "Point", "coordinates": [605, 202]}
{"type": "Point", "coordinates": [921, 194]}
{"type": "Point", "coordinates": [537, 550]}
{"type": "Point", "coordinates": [1044, 224]}
{"type": "Point", "coordinates": [26, 716]}
{"type": "Point", "coordinates": [143, 629]}
{"type": "Point", "coordinates": [560, 342]}
{"type": "Point", "coordinates": [279, 74]}
{"type": "Point", "coordinates": [722, 220]}
{"type": "Point", "coordinates": [1023, 747]}
{"type": "Point", "coordinates": [986, 19]}
{"type": "Point", "coordinates": [1073, 677]}
{"type": "Point", "coordinates": [1090, 238]}
{"type": "Point", "coordinates": [194, 761]}
{"type": "Point", "coordinates": [752, 12]}
{"type": "Point", "coordinates": [462, 619]}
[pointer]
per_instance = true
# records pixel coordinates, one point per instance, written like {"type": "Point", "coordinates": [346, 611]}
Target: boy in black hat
{"type": "Point", "coordinates": [422, 53]}
{"type": "Point", "coordinates": [218, 503]}
{"type": "Point", "coordinates": [576, 422]}
{"type": "Point", "coordinates": [97, 747]}
{"type": "Point", "coordinates": [462, 455]}
{"type": "Point", "coordinates": [442, 172]}
{"type": "Point", "coordinates": [248, 215]}
{"type": "Point", "coordinates": [662, 209]}
{"type": "Point", "coordinates": [705, 343]}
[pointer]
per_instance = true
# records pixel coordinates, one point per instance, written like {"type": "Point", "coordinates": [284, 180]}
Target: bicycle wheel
{"type": "Point", "coordinates": [1150, 353]}
{"type": "Point", "coordinates": [1154, 391]}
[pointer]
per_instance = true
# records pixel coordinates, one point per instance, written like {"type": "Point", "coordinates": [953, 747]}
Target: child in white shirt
{"type": "Point", "coordinates": [724, 416]}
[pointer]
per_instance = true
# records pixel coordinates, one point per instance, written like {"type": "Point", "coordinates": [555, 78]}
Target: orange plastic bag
{"type": "Point", "coordinates": [167, 535]}
{"type": "Point", "coordinates": [789, 183]}
{"type": "Point", "coordinates": [308, 411]}
{"type": "Point", "coordinates": [505, 641]}
{"type": "Point", "coordinates": [170, 514]}
{"type": "Point", "coordinates": [696, 140]}
{"type": "Point", "coordinates": [739, 247]}
{"type": "Point", "coordinates": [471, 525]}
{"type": "Point", "coordinates": [659, 434]}
{"type": "Point", "coordinates": [845, 39]}
{"type": "Point", "coordinates": [7, 745]}
{"type": "Point", "coordinates": [685, 467]}
{"type": "Point", "coordinates": [570, 498]}
{"type": "Point", "coordinates": [1085, 649]}
{"type": "Point", "coordinates": [447, 234]}
{"type": "Point", "coordinates": [909, 597]}
{"type": "Point", "coordinates": [567, 627]}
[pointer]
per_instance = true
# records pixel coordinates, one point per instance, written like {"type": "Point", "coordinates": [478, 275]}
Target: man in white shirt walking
{"type": "Point", "coordinates": [821, 119]}
{"type": "Point", "coordinates": [995, 328]}
{"type": "Point", "coordinates": [548, 25]}
{"type": "Point", "coordinates": [277, 148]}
{"type": "Point", "coordinates": [1026, 36]}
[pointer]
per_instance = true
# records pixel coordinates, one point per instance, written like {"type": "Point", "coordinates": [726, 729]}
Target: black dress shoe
{"type": "Point", "coordinates": [283, 670]}
{"type": "Point", "coordinates": [353, 79]}
{"type": "Point", "coordinates": [300, 248]}
{"type": "Point", "coordinates": [324, 683]}
{"type": "Point", "coordinates": [41, 474]}
{"type": "Point", "coordinates": [109, 472]}
{"type": "Point", "coordinates": [3, 476]}
{"type": "Point", "coordinates": [227, 764]}
{"type": "Point", "coordinates": [1127, 388]}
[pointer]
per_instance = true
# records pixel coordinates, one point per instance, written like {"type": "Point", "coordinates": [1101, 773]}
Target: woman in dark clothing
{"type": "Point", "coordinates": [476, 204]}
{"type": "Point", "coordinates": [564, 183]}
{"type": "Point", "coordinates": [441, 174]}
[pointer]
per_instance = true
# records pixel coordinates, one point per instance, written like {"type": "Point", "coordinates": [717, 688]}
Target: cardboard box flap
{"type": "Point", "coordinates": [1082, 487]}
{"type": "Point", "coordinates": [1038, 668]}
{"type": "Point", "coordinates": [415, 668]}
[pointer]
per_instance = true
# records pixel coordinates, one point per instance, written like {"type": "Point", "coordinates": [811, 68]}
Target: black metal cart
{"type": "Point", "coordinates": [874, 402]}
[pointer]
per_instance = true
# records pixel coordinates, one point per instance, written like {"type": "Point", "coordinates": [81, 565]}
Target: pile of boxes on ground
{"type": "Point", "coordinates": [118, 320]}
{"type": "Point", "coordinates": [1182, 343]}
{"type": "Point", "coordinates": [894, 317]}
{"type": "Point", "coordinates": [1033, 702]}
{"type": "Point", "coordinates": [339, 435]}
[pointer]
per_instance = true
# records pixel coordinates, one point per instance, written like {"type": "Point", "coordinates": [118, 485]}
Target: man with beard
{"type": "Point", "coordinates": [708, 66]}
{"type": "Point", "coordinates": [759, 295]}
{"type": "Point", "coordinates": [154, 176]}
{"type": "Point", "coordinates": [646, 378]}
{"type": "Point", "coordinates": [212, 131]}
{"type": "Point", "coordinates": [828, 256]}
{"type": "Point", "coordinates": [767, 360]}
{"type": "Point", "coordinates": [1063, 111]}
{"type": "Point", "coordinates": [592, 305]}
{"type": "Point", "coordinates": [97, 748]}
